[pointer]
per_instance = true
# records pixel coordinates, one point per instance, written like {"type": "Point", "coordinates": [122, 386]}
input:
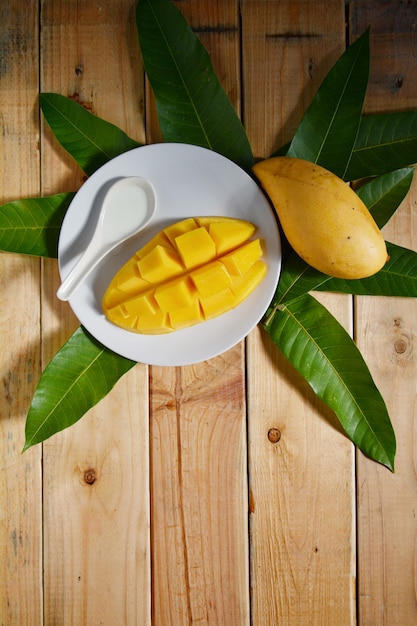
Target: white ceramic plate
{"type": "Point", "coordinates": [189, 181]}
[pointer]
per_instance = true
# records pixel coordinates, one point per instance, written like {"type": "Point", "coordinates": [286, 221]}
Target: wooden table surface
{"type": "Point", "coordinates": [171, 502]}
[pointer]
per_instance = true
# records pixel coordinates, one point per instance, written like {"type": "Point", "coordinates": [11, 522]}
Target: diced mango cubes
{"type": "Point", "coordinates": [211, 278]}
{"type": "Point", "coordinates": [195, 247]}
{"type": "Point", "coordinates": [159, 265]}
{"type": "Point", "coordinates": [191, 271]}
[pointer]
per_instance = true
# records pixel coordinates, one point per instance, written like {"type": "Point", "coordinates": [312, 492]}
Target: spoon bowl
{"type": "Point", "coordinates": [128, 207]}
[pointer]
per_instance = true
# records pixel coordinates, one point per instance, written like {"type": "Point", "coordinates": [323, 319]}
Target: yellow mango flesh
{"type": "Point", "coordinates": [191, 271]}
{"type": "Point", "coordinates": [323, 219]}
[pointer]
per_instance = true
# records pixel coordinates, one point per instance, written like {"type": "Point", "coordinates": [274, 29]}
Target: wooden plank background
{"type": "Point", "coordinates": [222, 493]}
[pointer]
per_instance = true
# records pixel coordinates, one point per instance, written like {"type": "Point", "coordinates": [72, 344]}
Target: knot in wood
{"type": "Point", "coordinates": [274, 435]}
{"type": "Point", "coordinates": [402, 342]}
{"type": "Point", "coordinates": [399, 82]}
{"type": "Point", "coordinates": [90, 476]}
{"type": "Point", "coordinates": [400, 346]}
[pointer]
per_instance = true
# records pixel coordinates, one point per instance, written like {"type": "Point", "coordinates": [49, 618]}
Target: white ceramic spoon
{"type": "Point", "coordinates": [128, 207]}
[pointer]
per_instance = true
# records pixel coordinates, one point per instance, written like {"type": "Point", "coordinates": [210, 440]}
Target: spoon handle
{"type": "Point", "coordinates": [79, 272]}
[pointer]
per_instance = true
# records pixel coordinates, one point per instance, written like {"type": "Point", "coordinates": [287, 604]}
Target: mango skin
{"type": "Point", "coordinates": [191, 271]}
{"type": "Point", "coordinates": [323, 219]}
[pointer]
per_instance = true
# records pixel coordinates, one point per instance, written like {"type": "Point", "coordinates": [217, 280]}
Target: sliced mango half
{"type": "Point", "coordinates": [191, 271]}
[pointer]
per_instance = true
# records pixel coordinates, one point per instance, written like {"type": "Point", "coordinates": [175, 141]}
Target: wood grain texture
{"type": "Point", "coordinates": [300, 573]}
{"type": "Point", "coordinates": [198, 434]}
{"type": "Point", "coordinates": [288, 47]}
{"type": "Point", "coordinates": [20, 476]}
{"type": "Point", "coordinates": [199, 501]}
{"type": "Point", "coordinates": [96, 475]}
{"type": "Point", "coordinates": [386, 332]}
{"type": "Point", "coordinates": [96, 515]}
{"type": "Point", "coordinates": [393, 42]}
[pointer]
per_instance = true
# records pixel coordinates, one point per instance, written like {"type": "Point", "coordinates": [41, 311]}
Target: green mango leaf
{"type": "Point", "coordinates": [77, 377]}
{"type": "Point", "coordinates": [191, 104]}
{"type": "Point", "coordinates": [282, 151]}
{"type": "Point", "coordinates": [297, 278]}
{"type": "Point", "coordinates": [32, 226]}
{"type": "Point", "coordinates": [327, 132]}
{"type": "Point", "coordinates": [327, 357]}
{"type": "Point", "coordinates": [397, 278]}
{"type": "Point", "coordinates": [90, 140]}
{"type": "Point", "coordinates": [383, 195]}
{"type": "Point", "coordinates": [385, 142]}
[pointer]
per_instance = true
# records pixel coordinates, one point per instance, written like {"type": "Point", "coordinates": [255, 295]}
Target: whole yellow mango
{"type": "Point", "coordinates": [191, 271]}
{"type": "Point", "coordinates": [323, 219]}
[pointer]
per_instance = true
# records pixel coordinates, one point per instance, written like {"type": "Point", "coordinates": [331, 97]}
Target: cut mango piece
{"type": "Point", "coordinates": [179, 228]}
{"type": "Point", "coordinates": [153, 324]}
{"type": "Point", "coordinates": [190, 272]}
{"type": "Point", "coordinates": [196, 247]}
{"type": "Point", "coordinates": [159, 265]}
{"type": "Point", "coordinates": [160, 239]}
{"type": "Point", "coordinates": [123, 319]}
{"type": "Point", "coordinates": [176, 294]}
{"type": "Point", "coordinates": [241, 260]}
{"type": "Point", "coordinates": [228, 236]}
{"type": "Point", "coordinates": [218, 303]}
{"type": "Point", "coordinates": [242, 286]}
{"type": "Point", "coordinates": [187, 316]}
{"type": "Point", "coordinates": [211, 278]}
{"type": "Point", "coordinates": [143, 304]}
{"type": "Point", "coordinates": [129, 278]}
